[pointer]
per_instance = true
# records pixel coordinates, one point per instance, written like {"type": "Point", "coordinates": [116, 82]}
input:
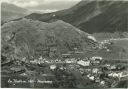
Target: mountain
{"type": "Point", "coordinates": [11, 11]}
{"type": "Point", "coordinates": [91, 16]}
{"type": "Point", "coordinates": [33, 38]}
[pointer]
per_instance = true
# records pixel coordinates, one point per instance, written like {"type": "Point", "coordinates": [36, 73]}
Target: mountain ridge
{"type": "Point", "coordinates": [91, 16]}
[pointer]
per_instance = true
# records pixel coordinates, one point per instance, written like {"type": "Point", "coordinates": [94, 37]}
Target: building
{"type": "Point", "coordinates": [102, 82]}
{"type": "Point", "coordinates": [113, 67]}
{"type": "Point", "coordinates": [68, 55]}
{"type": "Point", "coordinates": [83, 63]}
{"type": "Point", "coordinates": [95, 70]}
{"type": "Point", "coordinates": [113, 74]}
{"type": "Point", "coordinates": [23, 59]}
{"type": "Point", "coordinates": [62, 68]}
{"type": "Point", "coordinates": [52, 67]}
{"type": "Point", "coordinates": [91, 77]}
{"type": "Point", "coordinates": [97, 80]}
{"type": "Point", "coordinates": [92, 38]}
{"type": "Point", "coordinates": [34, 61]}
{"type": "Point", "coordinates": [123, 74]}
{"type": "Point", "coordinates": [72, 60]}
{"type": "Point", "coordinates": [96, 58]}
{"type": "Point", "coordinates": [68, 61]}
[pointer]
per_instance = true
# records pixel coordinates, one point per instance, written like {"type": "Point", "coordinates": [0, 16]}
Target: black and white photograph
{"type": "Point", "coordinates": [64, 44]}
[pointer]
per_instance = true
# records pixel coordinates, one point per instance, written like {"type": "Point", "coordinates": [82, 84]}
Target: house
{"type": "Point", "coordinates": [108, 50]}
{"type": "Point", "coordinates": [96, 58]}
{"type": "Point", "coordinates": [97, 80]}
{"type": "Point", "coordinates": [123, 74]}
{"type": "Point", "coordinates": [112, 67]}
{"type": "Point", "coordinates": [95, 62]}
{"type": "Point", "coordinates": [91, 77]}
{"type": "Point", "coordinates": [92, 38]}
{"type": "Point", "coordinates": [107, 65]}
{"type": "Point", "coordinates": [68, 54]}
{"type": "Point", "coordinates": [62, 68]}
{"type": "Point", "coordinates": [34, 61]}
{"type": "Point", "coordinates": [113, 74]}
{"type": "Point", "coordinates": [95, 70]}
{"type": "Point", "coordinates": [119, 75]}
{"type": "Point", "coordinates": [70, 60]}
{"type": "Point", "coordinates": [52, 67]}
{"type": "Point", "coordinates": [83, 63]}
{"type": "Point", "coordinates": [23, 59]}
{"type": "Point", "coordinates": [73, 60]}
{"type": "Point", "coordinates": [102, 82]}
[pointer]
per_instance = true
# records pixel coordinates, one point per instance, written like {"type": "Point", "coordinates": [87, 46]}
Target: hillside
{"type": "Point", "coordinates": [11, 11]}
{"type": "Point", "coordinates": [91, 16]}
{"type": "Point", "coordinates": [34, 38]}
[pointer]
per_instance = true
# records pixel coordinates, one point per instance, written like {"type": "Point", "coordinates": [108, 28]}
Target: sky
{"type": "Point", "coordinates": [43, 4]}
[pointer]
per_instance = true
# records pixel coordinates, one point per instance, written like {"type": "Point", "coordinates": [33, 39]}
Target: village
{"type": "Point", "coordinates": [72, 66]}
{"type": "Point", "coordinates": [92, 70]}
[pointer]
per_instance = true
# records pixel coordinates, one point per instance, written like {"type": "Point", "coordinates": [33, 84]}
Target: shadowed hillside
{"type": "Point", "coordinates": [91, 16]}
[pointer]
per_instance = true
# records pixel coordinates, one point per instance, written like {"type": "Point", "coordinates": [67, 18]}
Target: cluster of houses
{"type": "Point", "coordinates": [119, 75]}
{"type": "Point", "coordinates": [102, 45]}
{"type": "Point", "coordinates": [98, 76]}
{"type": "Point", "coordinates": [84, 66]}
{"type": "Point", "coordinates": [93, 74]}
{"type": "Point", "coordinates": [82, 62]}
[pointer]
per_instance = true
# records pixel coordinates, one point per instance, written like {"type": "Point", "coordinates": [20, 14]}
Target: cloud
{"type": "Point", "coordinates": [43, 4]}
{"type": "Point", "coordinates": [58, 5]}
{"type": "Point", "coordinates": [27, 4]}
{"type": "Point", "coordinates": [24, 3]}
{"type": "Point", "coordinates": [50, 1]}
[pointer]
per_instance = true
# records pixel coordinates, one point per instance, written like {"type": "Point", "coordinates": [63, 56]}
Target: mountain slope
{"type": "Point", "coordinates": [29, 38]}
{"type": "Point", "coordinates": [91, 16]}
{"type": "Point", "coordinates": [10, 11]}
